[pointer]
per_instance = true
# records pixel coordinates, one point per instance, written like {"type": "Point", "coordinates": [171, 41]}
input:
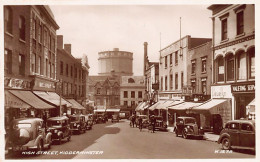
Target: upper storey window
{"type": "Point", "coordinates": [224, 29]}
{"type": "Point", "coordinates": [22, 27]}
{"type": "Point", "coordinates": [8, 20]}
{"type": "Point", "coordinates": [240, 23]}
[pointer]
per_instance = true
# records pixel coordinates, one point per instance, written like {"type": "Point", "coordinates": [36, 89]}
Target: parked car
{"type": "Point", "coordinates": [187, 127]}
{"type": "Point", "coordinates": [238, 133]}
{"type": "Point", "coordinates": [159, 123]}
{"type": "Point", "coordinates": [89, 121]}
{"type": "Point", "coordinates": [115, 118]}
{"type": "Point", "coordinates": [101, 118]}
{"type": "Point", "coordinates": [60, 128]}
{"type": "Point", "coordinates": [76, 124]}
{"type": "Point", "coordinates": [27, 134]}
{"type": "Point", "coordinates": [144, 117]}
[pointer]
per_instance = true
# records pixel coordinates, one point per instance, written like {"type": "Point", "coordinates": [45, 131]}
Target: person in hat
{"type": "Point", "coordinates": [153, 123]}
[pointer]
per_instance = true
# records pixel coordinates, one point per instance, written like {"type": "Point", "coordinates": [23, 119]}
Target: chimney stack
{"type": "Point", "coordinates": [67, 47]}
{"type": "Point", "coordinates": [145, 56]}
{"type": "Point", "coordinates": [60, 41]}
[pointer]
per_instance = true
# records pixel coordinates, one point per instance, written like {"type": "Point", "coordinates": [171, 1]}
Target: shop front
{"type": "Point", "coordinates": [244, 94]}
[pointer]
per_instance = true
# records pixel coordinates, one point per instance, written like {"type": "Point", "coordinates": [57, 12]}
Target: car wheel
{"type": "Point", "coordinates": [226, 145]}
{"type": "Point", "coordinates": [184, 134]}
{"type": "Point", "coordinates": [40, 146]}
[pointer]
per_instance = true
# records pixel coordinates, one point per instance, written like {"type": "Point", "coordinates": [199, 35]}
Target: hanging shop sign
{"type": "Point", "coordinates": [243, 88]}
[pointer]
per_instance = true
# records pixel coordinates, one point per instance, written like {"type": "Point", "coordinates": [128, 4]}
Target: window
{"type": "Point", "coordinates": [242, 66]}
{"type": "Point", "coordinates": [193, 66]}
{"type": "Point", "coordinates": [8, 20]}
{"type": "Point", "coordinates": [98, 90]}
{"type": "Point", "coordinates": [39, 65]}
{"type": "Point", "coordinates": [132, 94]}
{"type": "Point", "coordinates": [166, 83]}
{"type": "Point", "coordinates": [46, 67]}
{"type": "Point", "coordinates": [125, 103]}
{"type": "Point", "coordinates": [176, 81]}
{"type": "Point", "coordinates": [176, 58]}
{"type": "Point", "coordinates": [49, 41]}
{"type": "Point", "coordinates": [165, 61]}
{"type": "Point", "coordinates": [71, 71]}
{"type": "Point", "coordinates": [240, 22]}
{"type": "Point", "coordinates": [34, 28]}
{"type": "Point", "coordinates": [234, 126]}
{"type": "Point", "coordinates": [76, 72]}
{"type": "Point", "coordinates": [220, 69]}
{"type": "Point", "coordinates": [171, 59]}
{"type": "Point", "coordinates": [252, 63]}
{"type": "Point", "coordinates": [67, 70]}
{"type": "Point", "coordinates": [125, 94]}
{"type": "Point", "coordinates": [22, 27]}
{"type": "Point", "coordinates": [8, 61]}
{"type": "Point", "coordinates": [161, 83]}
{"type": "Point", "coordinates": [132, 103]}
{"type": "Point", "coordinates": [246, 127]}
{"type": "Point", "coordinates": [40, 33]}
{"type": "Point", "coordinates": [45, 37]}
{"type": "Point", "coordinates": [193, 85]}
{"type": "Point", "coordinates": [33, 63]}
{"type": "Point", "coordinates": [21, 64]}
{"type": "Point", "coordinates": [230, 67]}
{"type": "Point", "coordinates": [171, 82]}
{"type": "Point", "coordinates": [182, 80]}
{"type": "Point", "coordinates": [203, 64]}
{"type": "Point", "coordinates": [204, 86]}
{"type": "Point", "coordinates": [49, 69]}
{"type": "Point", "coordinates": [53, 69]}
{"type": "Point", "coordinates": [61, 68]}
{"type": "Point", "coordinates": [140, 94]}
{"type": "Point", "coordinates": [224, 29]}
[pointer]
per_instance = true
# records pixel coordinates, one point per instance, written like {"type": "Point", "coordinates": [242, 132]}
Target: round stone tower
{"type": "Point", "coordinates": [115, 62]}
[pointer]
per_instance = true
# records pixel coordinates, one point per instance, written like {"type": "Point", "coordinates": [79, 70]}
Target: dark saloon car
{"type": "Point", "coordinates": [115, 118]}
{"type": "Point", "coordinates": [238, 133]}
{"type": "Point", "coordinates": [159, 123]}
{"type": "Point", "coordinates": [28, 133]}
{"type": "Point", "coordinates": [101, 118]}
{"type": "Point", "coordinates": [77, 124]}
{"type": "Point", "coordinates": [187, 127]}
{"type": "Point", "coordinates": [59, 127]}
{"type": "Point", "coordinates": [89, 121]}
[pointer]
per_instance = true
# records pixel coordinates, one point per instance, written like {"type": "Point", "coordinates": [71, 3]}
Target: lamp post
{"type": "Point", "coordinates": [60, 86]}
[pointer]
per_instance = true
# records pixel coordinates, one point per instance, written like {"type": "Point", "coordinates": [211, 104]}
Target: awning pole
{"type": "Point", "coordinates": [167, 120]}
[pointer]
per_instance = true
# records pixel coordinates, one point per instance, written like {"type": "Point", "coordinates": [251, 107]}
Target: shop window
{"type": "Point", "coordinates": [171, 59]}
{"type": "Point", "coordinates": [176, 81]}
{"type": "Point", "coordinates": [61, 68]}
{"type": "Point", "coordinates": [21, 64]}
{"type": "Point", "coordinates": [176, 58]}
{"type": "Point", "coordinates": [22, 27]}
{"type": "Point", "coordinates": [140, 94]}
{"type": "Point", "coordinates": [252, 63]}
{"type": "Point", "coordinates": [230, 67]}
{"type": "Point", "coordinates": [242, 66]}
{"type": "Point", "coordinates": [171, 82]}
{"type": "Point", "coordinates": [240, 23]}
{"type": "Point", "coordinates": [132, 94]}
{"type": "Point", "coordinates": [224, 29]}
{"type": "Point", "coordinates": [165, 61]}
{"type": "Point", "coordinates": [193, 66]}
{"type": "Point", "coordinates": [125, 94]}
{"type": "Point", "coordinates": [220, 69]}
{"type": "Point", "coordinates": [8, 20]}
{"type": "Point", "coordinates": [166, 82]}
{"type": "Point", "coordinates": [203, 64]}
{"type": "Point", "coordinates": [8, 61]}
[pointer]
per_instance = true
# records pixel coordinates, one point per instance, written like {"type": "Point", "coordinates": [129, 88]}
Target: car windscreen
{"type": "Point", "coordinates": [190, 121]}
{"type": "Point", "coordinates": [22, 125]}
{"type": "Point", "coordinates": [74, 118]}
{"type": "Point", "coordinates": [51, 123]}
{"type": "Point", "coordinates": [158, 118]}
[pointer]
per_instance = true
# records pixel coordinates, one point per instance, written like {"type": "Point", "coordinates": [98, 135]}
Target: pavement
{"type": "Point", "coordinates": [209, 136]}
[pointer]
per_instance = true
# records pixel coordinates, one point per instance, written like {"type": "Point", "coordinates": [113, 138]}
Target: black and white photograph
{"type": "Point", "coordinates": [128, 80]}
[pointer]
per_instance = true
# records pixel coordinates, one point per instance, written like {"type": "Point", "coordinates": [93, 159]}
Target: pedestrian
{"type": "Point", "coordinates": [140, 121]}
{"type": "Point", "coordinates": [153, 123]}
{"type": "Point", "coordinates": [133, 121]}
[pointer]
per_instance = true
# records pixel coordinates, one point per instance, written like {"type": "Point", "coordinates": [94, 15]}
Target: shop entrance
{"type": "Point", "coordinates": [241, 102]}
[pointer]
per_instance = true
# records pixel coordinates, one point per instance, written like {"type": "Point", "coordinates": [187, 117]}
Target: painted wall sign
{"type": "Point", "coordinates": [16, 83]}
{"type": "Point", "coordinates": [221, 91]}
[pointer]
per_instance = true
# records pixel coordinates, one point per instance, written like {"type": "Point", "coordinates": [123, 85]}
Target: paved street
{"type": "Point", "coordinates": [119, 141]}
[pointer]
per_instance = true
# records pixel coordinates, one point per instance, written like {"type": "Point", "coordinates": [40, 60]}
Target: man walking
{"type": "Point", "coordinates": [153, 123]}
{"type": "Point", "coordinates": [140, 121]}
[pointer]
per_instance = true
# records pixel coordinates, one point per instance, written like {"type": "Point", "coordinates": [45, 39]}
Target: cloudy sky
{"type": "Point", "coordinates": [91, 29]}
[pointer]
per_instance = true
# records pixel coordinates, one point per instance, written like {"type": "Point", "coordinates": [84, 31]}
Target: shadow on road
{"type": "Point", "coordinates": [77, 143]}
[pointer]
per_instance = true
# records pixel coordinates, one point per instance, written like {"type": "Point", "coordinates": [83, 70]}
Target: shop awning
{"type": "Point", "coordinates": [251, 106]}
{"type": "Point", "coordinates": [30, 99]}
{"type": "Point", "coordinates": [100, 110]}
{"type": "Point", "coordinates": [52, 97]}
{"type": "Point", "coordinates": [112, 110]}
{"type": "Point", "coordinates": [138, 106]}
{"type": "Point", "coordinates": [75, 104]}
{"type": "Point", "coordinates": [165, 104]}
{"type": "Point", "coordinates": [11, 101]}
{"type": "Point", "coordinates": [184, 105]}
{"type": "Point", "coordinates": [154, 106]}
{"type": "Point", "coordinates": [141, 106]}
{"type": "Point", "coordinates": [211, 106]}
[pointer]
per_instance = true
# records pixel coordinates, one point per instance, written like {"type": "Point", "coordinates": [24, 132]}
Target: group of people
{"type": "Point", "coordinates": [152, 122]}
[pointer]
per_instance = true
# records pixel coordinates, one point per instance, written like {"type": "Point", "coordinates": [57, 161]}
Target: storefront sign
{"type": "Point", "coordinates": [16, 83]}
{"type": "Point", "coordinates": [221, 91]}
{"type": "Point", "coordinates": [13, 102]}
{"type": "Point", "coordinates": [243, 88]}
{"type": "Point", "coordinates": [46, 85]}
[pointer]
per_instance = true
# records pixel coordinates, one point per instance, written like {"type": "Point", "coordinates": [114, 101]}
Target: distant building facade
{"type": "Point", "coordinates": [234, 57]}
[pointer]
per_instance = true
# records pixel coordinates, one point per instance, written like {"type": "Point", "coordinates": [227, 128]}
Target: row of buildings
{"type": "Point", "coordinates": [212, 79]}
{"type": "Point", "coordinates": [41, 77]}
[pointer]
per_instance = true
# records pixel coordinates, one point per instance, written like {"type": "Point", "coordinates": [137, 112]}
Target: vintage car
{"type": "Point", "coordinates": [100, 118]}
{"type": "Point", "coordinates": [144, 117]}
{"type": "Point", "coordinates": [77, 123]}
{"type": "Point", "coordinates": [89, 121]}
{"type": "Point", "coordinates": [59, 127]}
{"type": "Point", "coordinates": [115, 118]}
{"type": "Point", "coordinates": [238, 133]}
{"type": "Point", "coordinates": [159, 124]}
{"type": "Point", "coordinates": [187, 127]}
{"type": "Point", "coordinates": [27, 134]}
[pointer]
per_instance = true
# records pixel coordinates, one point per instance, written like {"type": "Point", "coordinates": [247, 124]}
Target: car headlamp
{"type": "Point", "coordinates": [75, 124]}
{"type": "Point", "coordinates": [188, 127]}
{"type": "Point", "coordinates": [55, 131]}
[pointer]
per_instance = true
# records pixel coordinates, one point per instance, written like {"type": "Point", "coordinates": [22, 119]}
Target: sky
{"type": "Point", "coordinates": [95, 28]}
